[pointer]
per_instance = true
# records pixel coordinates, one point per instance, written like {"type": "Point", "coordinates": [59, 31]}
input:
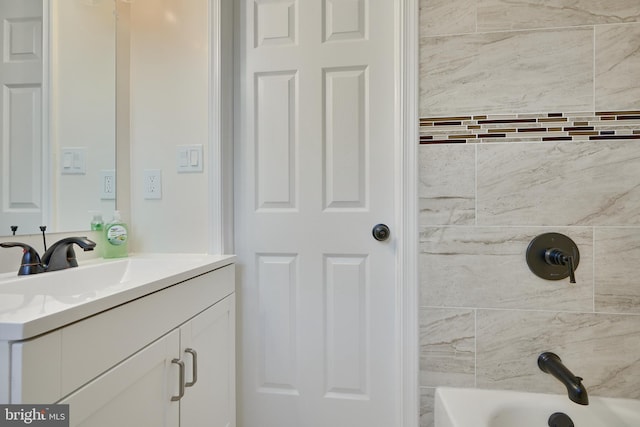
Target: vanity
{"type": "Point", "coordinates": [146, 340]}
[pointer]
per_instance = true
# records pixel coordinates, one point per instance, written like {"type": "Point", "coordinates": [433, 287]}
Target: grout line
{"type": "Point", "coordinates": [530, 310]}
{"type": "Point", "coordinates": [594, 68]}
{"type": "Point", "coordinates": [593, 269]}
{"type": "Point", "coordinates": [475, 347]}
{"type": "Point", "coordinates": [475, 213]}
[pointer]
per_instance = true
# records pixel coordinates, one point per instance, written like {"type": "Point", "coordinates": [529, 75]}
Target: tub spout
{"type": "Point", "coordinates": [551, 364]}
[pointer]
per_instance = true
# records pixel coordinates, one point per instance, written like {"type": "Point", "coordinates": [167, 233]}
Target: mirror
{"type": "Point", "coordinates": [57, 113]}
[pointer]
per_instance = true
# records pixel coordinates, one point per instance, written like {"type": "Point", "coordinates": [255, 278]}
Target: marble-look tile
{"type": "Point", "coordinates": [586, 183]}
{"type": "Point", "coordinates": [496, 15]}
{"type": "Point", "coordinates": [523, 71]}
{"type": "Point", "coordinates": [617, 252]}
{"type": "Point", "coordinates": [427, 404]}
{"type": "Point", "coordinates": [447, 347]}
{"type": "Point", "coordinates": [486, 267]}
{"type": "Point", "coordinates": [601, 348]}
{"type": "Point", "coordinates": [440, 17]}
{"type": "Point", "coordinates": [617, 66]}
{"type": "Point", "coordinates": [447, 184]}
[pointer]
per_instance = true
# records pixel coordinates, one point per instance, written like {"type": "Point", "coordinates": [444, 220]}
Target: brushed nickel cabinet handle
{"type": "Point", "coordinates": [194, 371]}
{"type": "Point", "coordinates": [180, 363]}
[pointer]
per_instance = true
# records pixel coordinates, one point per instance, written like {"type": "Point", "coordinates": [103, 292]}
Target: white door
{"type": "Point", "coordinates": [21, 115]}
{"type": "Point", "coordinates": [315, 171]}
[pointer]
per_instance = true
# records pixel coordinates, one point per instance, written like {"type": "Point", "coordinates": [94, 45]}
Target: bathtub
{"type": "Point", "coordinates": [469, 407]}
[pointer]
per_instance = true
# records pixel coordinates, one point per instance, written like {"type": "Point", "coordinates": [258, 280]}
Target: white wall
{"type": "Point", "coordinates": [169, 101]}
{"type": "Point", "coordinates": [82, 106]}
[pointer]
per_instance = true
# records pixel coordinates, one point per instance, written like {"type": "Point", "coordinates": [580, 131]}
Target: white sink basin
{"type": "Point", "coordinates": [72, 282]}
{"type": "Point", "coordinates": [35, 304]}
{"type": "Point", "coordinates": [468, 407]}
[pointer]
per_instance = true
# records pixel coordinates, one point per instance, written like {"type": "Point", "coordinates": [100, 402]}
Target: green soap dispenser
{"type": "Point", "coordinates": [98, 225]}
{"type": "Point", "coordinates": [116, 238]}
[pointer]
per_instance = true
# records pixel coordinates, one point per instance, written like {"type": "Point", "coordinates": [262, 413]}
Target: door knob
{"type": "Point", "coordinates": [381, 232]}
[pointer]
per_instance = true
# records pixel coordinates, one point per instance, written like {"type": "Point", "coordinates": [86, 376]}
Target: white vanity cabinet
{"type": "Point", "coordinates": [165, 359]}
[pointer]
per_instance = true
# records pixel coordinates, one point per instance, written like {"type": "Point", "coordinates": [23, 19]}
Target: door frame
{"type": "Point", "coordinates": [221, 123]}
{"type": "Point", "coordinates": [407, 63]}
{"type": "Point", "coordinates": [49, 181]}
{"type": "Point", "coordinates": [221, 186]}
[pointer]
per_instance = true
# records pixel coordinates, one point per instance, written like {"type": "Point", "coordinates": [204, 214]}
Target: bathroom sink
{"type": "Point", "coordinates": [468, 407]}
{"type": "Point", "coordinates": [35, 304]}
{"type": "Point", "coordinates": [89, 278]}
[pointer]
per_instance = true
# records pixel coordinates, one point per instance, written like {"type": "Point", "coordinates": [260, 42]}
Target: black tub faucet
{"type": "Point", "coordinates": [551, 364]}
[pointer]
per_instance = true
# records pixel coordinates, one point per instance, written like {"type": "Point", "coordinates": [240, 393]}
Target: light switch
{"type": "Point", "coordinates": [67, 161]}
{"type": "Point", "coordinates": [189, 158]}
{"type": "Point", "coordinates": [73, 161]}
{"type": "Point", "coordinates": [183, 158]}
{"type": "Point", "coordinates": [195, 158]}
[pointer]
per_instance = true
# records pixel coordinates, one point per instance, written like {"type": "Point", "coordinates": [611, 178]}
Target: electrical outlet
{"type": "Point", "coordinates": [108, 184]}
{"type": "Point", "coordinates": [152, 184]}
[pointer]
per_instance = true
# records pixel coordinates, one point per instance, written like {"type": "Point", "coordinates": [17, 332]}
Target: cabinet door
{"type": "Point", "coordinates": [211, 400]}
{"type": "Point", "coordinates": [137, 392]}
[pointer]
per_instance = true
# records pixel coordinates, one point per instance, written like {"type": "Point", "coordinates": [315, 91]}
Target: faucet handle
{"type": "Point", "coordinates": [31, 263]}
{"type": "Point", "coordinates": [554, 256]}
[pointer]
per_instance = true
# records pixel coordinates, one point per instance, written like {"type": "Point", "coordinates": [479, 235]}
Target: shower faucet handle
{"type": "Point", "coordinates": [555, 256]}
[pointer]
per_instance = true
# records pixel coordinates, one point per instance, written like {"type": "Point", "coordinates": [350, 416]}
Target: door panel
{"type": "Point", "coordinates": [347, 312]}
{"type": "Point", "coordinates": [315, 171]}
{"type": "Point", "coordinates": [21, 115]}
{"type": "Point", "coordinates": [345, 143]}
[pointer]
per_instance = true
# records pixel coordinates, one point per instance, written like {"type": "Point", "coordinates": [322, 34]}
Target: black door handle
{"type": "Point", "coordinates": [381, 232]}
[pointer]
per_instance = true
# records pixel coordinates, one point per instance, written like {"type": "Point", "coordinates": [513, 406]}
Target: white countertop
{"type": "Point", "coordinates": [39, 303]}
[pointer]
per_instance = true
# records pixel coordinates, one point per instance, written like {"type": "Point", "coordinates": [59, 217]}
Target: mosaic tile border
{"type": "Point", "coordinates": [601, 125]}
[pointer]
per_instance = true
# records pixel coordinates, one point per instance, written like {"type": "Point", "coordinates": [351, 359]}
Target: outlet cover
{"type": "Point", "coordinates": [152, 184]}
{"type": "Point", "coordinates": [107, 184]}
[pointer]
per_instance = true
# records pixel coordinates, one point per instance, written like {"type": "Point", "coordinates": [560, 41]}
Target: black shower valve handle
{"type": "Point", "coordinates": [555, 256]}
{"type": "Point", "coordinates": [572, 269]}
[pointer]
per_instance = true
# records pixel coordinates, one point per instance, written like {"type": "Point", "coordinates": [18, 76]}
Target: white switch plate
{"type": "Point", "coordinates": [152, 184]}
{"type": "Point", "coordinates": [107, 184]}
{"type": "Point", "coordinates": [72, 161]}
{"type": "Point", "coordinates": [189, 158]}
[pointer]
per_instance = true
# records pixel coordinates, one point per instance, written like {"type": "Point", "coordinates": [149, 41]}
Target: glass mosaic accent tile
{"type": "Point", "coordinates": [581, 126]}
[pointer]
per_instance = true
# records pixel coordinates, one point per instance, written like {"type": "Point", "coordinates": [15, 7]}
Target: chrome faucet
{"type": "Point", "coordinates": [58, 257]}
{"type": "Point", "coordinates": [551, 364]}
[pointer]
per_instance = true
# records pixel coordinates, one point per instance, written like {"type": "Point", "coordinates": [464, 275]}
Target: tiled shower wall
{"type": "Point", "coordinates": [484, 316]}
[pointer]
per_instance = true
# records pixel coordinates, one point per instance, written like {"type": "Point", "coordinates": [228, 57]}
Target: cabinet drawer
{"type": "Point", "coordinates": [35, 366]}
